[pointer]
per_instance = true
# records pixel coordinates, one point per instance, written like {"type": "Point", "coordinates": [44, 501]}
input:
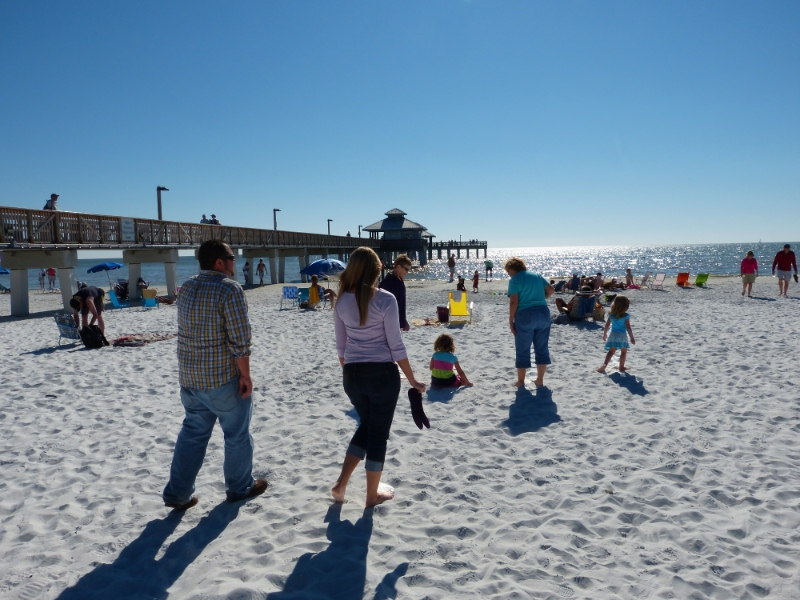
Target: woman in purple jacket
{"type": "Point", "coordinates": [369, 343]}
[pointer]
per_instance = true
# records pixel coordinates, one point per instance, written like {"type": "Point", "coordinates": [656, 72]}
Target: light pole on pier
{"type": "Point", "coordinates": [329, 226]}
{"type": "Point", "coordinates": [160, 189]}
{"type": "Point", "coordinates": [359, 231]}
{"type": "Point", "coordinates": [275, 212]}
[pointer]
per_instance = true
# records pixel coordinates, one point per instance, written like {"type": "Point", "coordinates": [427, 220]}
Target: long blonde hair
{"type": "Point", "coordinates": [619, 306]}
{"type": "Point", "coordinates": [361, 278]}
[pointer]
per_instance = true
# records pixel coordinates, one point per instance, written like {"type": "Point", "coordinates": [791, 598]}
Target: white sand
{"type": "Point", "coordinates": [678, 480]}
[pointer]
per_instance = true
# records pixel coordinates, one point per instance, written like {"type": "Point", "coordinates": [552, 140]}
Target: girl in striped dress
{"type": "Point", "coordinates": [443, 362]}
{"type": "Point", "coordinates": [620, 323]}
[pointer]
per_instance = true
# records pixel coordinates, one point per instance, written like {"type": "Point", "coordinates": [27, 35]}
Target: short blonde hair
{"type": "Point", "coordinates": [402, 261]}
{"type": "Point", "coordinates": [515, 264]}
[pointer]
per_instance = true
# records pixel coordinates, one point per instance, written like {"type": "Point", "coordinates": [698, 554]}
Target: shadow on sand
{"type": "Point", "coordinates": [137, 574]}
{"type": "Point", "coordinates": [443, 395]}
{"type": "Point", "coordinates": [633, 384]}
{"type": "Point", "coordinates": [339, 571]}
{"type": "Point", "coordinates": [531, 412]}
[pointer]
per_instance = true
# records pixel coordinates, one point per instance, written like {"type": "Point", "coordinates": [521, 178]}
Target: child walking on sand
{"type": "Point", "coordinates": [442, 363]}
{"type": "Point", "coordinates": [620, 323]}
{"type": "Point", "coordinates": [476, 278]}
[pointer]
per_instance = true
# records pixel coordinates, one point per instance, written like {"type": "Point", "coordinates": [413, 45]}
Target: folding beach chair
{"type": "Point", "coordinates": [701, 279]}
{"type": "Point", "coordinates": [645, 281]}
{"type": "Point", "coordinates": [683, 280]}
{"type": "Point", "coordinates": [583, 308]}
{"type": "Point", "coordinates": [290, 295]}
{"type": "Point", "coordinates": [658, 282]}
{"type": "Point", "coordinates": [115, 302]}
{"type": "Point", "coordinates": [459, 308]}
{"type": "Point", "coordinates": [149, 298]}
{"type": "Point", "coordinates": [67, 328]}
{"type": "Point", "coordinates": [302, 295]}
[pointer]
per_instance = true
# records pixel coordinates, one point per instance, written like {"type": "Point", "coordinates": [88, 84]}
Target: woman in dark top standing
{"type": "Point", "coordinates": [369, 343]}
{"type": "Point", "coordinates": [393, 283]}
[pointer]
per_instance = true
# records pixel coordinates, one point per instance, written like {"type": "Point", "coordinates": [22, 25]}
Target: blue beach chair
{"type": "Point", "coordinates": [67, 328]}
{"type": "Point", "coordinates": [115, 302]}
{"type": "Point", "coordinates": [290, 295]}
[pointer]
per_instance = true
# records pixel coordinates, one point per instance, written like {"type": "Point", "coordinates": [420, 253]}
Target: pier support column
{"type": "Point", "coordinates": [423, 259]}
{"type": "Point", "coordinates": [273, 267]}
{"type": "Point", "coordinates": [20, 306]}
{"type": "Point", "coordinates": [69, 285]}
{"type": "Point", "coordinates": [19, 261]}
{"type": "Point", "coordinates": [303, 259]}
{"type": "Point", "coordinates": [134, 272]}
{"type": "Point", "coordinates": [467, 252]}
{"type": "Point", "coordinates": [324, 253]}
{"type": "Point", "coordinates": [484, 256]}
{"type": "Point", "coordinates": [171, 272]}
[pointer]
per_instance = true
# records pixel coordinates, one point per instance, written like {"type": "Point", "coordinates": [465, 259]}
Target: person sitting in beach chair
{"type": "Point", "coordinates": [317, 293]}
{"type": "Point", "coordinates": [580, 307]}
{"type": "Point", "coordinates": [559, 287]}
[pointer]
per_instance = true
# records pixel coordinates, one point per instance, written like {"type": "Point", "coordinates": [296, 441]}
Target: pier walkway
{"type": "Point", "coordinates": [35, 239]}
{"type": "Point", "coordinates": [457, 246]}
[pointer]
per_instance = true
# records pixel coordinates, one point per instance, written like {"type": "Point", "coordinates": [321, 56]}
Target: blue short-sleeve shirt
{"type": "Point", "coordinates": [530, 288]}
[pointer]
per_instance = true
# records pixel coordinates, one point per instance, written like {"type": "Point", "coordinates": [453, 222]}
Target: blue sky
{"type": "Point", "coordinates": [522, 123]}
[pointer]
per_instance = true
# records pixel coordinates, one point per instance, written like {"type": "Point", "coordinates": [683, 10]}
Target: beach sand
{"type": "Point", "coordinates": [679, 479]}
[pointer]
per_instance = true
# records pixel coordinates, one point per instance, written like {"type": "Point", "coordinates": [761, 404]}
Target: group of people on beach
{"type": "Point", "coordinates": [782, 266]}
{"type": "Point", "coordinates": [49, 275]}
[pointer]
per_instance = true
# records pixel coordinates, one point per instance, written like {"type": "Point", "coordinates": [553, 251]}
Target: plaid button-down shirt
{"type": "Point", "coordinates": [213, 330]}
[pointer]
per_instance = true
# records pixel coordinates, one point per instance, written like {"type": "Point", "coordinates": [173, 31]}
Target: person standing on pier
{"type": "Point", "coordinates": [51, 204]}
{"type": "Point", "coordinates": [214, 371]}
{"type": "Point", "coordinates": [451, 264]}
{"type": "Point", "coordinates": [393, 283]}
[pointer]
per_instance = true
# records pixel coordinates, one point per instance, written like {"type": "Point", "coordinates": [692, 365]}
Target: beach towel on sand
{"type": "Point", "coordinates": [140, 339]}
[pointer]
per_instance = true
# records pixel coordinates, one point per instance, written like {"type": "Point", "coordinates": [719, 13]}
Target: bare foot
{"type": "Point", "coordinates": [338, 492]}
{"type": "Point", "coordinates": [538, 383]}
{"type": "Point", "coordinates": [622, 369]}
{"type": "Point", "coordinates": [602, 369]}
{"type": "Point", "coordinates": [519, 383]}
{"type": "Point", "coordinates": [385, 492]}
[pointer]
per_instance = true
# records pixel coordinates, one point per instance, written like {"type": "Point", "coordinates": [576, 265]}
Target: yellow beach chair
{"type": "Point", "coordinates": [459, 309]}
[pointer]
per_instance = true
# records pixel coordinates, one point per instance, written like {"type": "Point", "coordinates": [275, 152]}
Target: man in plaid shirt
{"type": "Point", "coordinates": [214, 372]}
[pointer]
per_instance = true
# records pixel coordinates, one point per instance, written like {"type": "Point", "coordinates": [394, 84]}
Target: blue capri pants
{"type": "Point", "coordinates": [532, 325]}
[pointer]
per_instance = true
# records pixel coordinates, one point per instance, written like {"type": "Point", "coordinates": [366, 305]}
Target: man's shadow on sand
{"type": "Point", "coordinates": [633, 384]}
{"type": "Point", "coordinates": [531, 412]}
{"type": "Point", "coordinates": [137, 574]}
{"type": "Point", "coordinates": [339, 571]}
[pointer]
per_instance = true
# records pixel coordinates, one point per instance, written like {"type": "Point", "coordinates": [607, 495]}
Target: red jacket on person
{"type": "Point", "coordinates": [784, 261]}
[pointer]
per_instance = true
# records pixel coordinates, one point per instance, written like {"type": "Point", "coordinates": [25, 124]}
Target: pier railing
{"type": "Point", "coordinates": [24, 228]}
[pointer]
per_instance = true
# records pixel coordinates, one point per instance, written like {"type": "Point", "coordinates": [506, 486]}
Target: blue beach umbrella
{"type": "Point", "coordinates": [108, 266]}
{"type": "Point", "coordinates": [4, 271]}
{"type": "Point", "coordinates": [324, 266]}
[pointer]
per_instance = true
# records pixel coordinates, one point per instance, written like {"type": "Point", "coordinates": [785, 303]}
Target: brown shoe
{"type": "Point", "coordinates": [259, 487]}
{"type": "Point", "coordinates": [183, 506]}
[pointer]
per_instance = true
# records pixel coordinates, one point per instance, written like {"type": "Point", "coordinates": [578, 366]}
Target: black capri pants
{"type": "Point", "coordinates": [373, 389]}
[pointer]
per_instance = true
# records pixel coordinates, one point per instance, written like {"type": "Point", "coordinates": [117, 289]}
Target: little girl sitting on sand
{"type": "Point", "coordinates": [442, 363]}
{"type": "Point", "coordinates": [620, 322]}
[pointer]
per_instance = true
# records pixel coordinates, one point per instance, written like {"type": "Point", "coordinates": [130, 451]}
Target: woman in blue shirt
{"type": "Point", "coordinates": [529, 318]}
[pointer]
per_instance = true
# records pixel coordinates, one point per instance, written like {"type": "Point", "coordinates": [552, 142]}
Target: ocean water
{"type": "Point", "coordinates": [716, 259]}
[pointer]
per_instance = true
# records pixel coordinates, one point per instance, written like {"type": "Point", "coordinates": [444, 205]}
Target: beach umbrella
{"type": "Point", "coordinates": [4, 271]}
{"type": "Point", "coordinates": [324, 266]}
{"type": "Point", "coordinates": [107, 266]}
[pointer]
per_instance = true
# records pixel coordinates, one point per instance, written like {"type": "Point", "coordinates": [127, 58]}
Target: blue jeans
{"type": "Point", "coordinates": [532, 325]}
{"type": "Point", "coordinates": [373, 389]}
{"type": "Point", "coordinates": [203, 408]}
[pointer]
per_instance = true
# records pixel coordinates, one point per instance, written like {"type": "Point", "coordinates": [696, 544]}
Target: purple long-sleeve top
{"type": "Point", "coordinates": [378, 340]}
{"type": "Point", "coordinates": [392, 283]}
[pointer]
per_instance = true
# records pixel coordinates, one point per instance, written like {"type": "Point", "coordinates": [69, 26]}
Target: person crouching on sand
{"type": "Point", "coordinates": [369, 343]}
{"type": "Point", "coordinates": [443, 362]}
{"type": "Point", "coordinates": [620, 323]}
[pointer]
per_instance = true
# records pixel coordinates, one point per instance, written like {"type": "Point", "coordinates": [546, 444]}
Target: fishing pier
{"type": "Point", "coordinates": [36, 239]}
